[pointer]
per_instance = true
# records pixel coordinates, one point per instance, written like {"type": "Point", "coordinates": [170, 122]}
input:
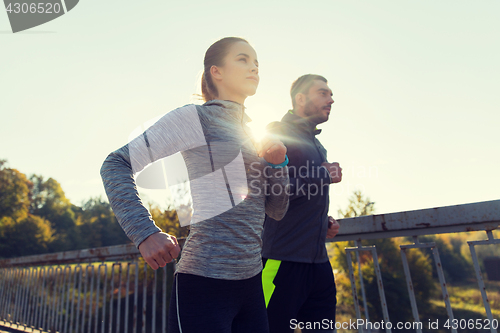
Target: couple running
{"type": "Point", "coordinates": [255, 257]}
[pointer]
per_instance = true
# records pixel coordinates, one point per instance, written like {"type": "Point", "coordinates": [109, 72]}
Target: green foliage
{"type": "Point", "coordinates": [21, 233]}
{"type": "Point", "coordinates": [467, 296]}
{"type": "Point", "coordinates": [49, 201]}
{"type": "Point", "coordinates": [31, 235]}
{"type": "Point", "coordinates": [168, 220]}
{"type": "Point", "coordinates": [455, 266]}
{"type": "Point", "coordinates": [396, 295]}
{"type": "Point", "coordinates": [97, 225]}
{"type": "Point", "coordinates": [358, 206]}
{"type": "Point", "coordinates": [14, 192]}
{"type": "Point", "coordinates": [36, 217]}
{"type": "Point", "coordinates": [178, 205]}
{"type": "Point", "coordinates": [459, 244]}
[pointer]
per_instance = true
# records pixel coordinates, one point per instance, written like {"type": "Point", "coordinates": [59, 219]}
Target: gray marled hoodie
{"type": "Point", "coordinates": [232, 188]}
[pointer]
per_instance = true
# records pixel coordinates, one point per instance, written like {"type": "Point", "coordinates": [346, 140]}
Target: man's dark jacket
{"type": "Point", "coordinates": [300, 235]}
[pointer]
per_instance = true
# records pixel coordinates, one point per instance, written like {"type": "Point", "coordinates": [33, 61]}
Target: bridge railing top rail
{"type": "Point", "coordinates": [459, 218]}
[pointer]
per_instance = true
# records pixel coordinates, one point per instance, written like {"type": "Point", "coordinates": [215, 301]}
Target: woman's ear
{"type": "Point", "coordinates": [216, 73]}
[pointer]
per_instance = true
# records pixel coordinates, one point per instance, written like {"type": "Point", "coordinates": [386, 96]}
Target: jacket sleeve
{"type": "Point", "coordinates": [277, 192]}
{"type": "Point", "coordinates": [305, 180]}
{"type": "Point", "coordinates": [176, 131]}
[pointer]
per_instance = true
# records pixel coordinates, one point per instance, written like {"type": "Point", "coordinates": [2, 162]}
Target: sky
{"type": "Point", "coordinates": [415, 123]}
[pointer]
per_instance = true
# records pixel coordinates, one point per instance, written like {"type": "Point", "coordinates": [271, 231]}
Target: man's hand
{"type": "Point", "coordinates": [333, 228]}
{"type": "Point", "coordinates": [335, 171]}
{"type": "Point", "coordinates": [159, 249]}
{"type": "Point", "coordinates": [272, 149]}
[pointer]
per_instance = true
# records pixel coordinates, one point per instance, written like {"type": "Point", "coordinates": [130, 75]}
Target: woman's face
{"type": "Point", "coordinates": [239, 75]}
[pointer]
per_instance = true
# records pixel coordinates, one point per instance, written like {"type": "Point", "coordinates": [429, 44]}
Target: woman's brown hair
{"type": "Point", "coordinates": [215, 57]}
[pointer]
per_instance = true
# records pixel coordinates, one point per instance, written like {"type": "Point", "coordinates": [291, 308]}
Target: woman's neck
{"type": "Point", "coordinates": [227, 96]}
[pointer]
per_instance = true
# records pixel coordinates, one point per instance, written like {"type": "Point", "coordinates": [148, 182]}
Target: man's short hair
{"type": "Point", "coordinates": [303, 84]}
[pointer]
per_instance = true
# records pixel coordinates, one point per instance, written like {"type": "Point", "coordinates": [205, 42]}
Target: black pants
{"type": "Point", "coordinates": [205, 305]}
{"type": "Point", "coordinates": [297, 294]}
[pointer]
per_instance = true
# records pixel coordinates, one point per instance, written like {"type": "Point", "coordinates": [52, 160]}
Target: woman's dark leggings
{"type": "Point", "coordinates": [204, 305]}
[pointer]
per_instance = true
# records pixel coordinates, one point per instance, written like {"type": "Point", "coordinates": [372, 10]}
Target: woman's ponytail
{"type": "Point", "coordinates": [205, 90]}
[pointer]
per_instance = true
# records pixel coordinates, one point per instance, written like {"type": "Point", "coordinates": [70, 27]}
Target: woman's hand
{"type": "Point", "coordinates": [272, 149]}
{"type": "Point", "coordinates": [159, 249]}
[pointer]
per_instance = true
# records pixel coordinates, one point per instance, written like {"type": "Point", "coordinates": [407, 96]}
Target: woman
{"type": "Point", "coordinates": [217, 286]}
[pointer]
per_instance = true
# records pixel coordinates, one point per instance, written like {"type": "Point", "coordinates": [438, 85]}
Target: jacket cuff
{"type": "Point", "coordinates": [143, 234]}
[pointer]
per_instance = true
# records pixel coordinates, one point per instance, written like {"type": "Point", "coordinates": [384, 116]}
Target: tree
{"type": "Point", "coordinates": [358, 206]}
{"type": "Point", "coordinates": [178, 205]}
{"type": "Point", "coordinates": [29, 236]}
{"type": "Point", "coordinates": [21, 233]}
{"type": "Point", "coordinates": [49, 201]}
{"type": "Point", "coordinates": [456, 267]}
{"type": "Point", "coordinates": [14, 192]}
{"type": "Point", "coordinates": [168, 220]}
{"type": "Point", "coordinates": [98, 224]}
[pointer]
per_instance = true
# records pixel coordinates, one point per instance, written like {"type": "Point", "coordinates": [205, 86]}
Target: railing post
{"type": "Point", "coordinates": [104, 295]}
{"type": "Point", "coordinates": [112, 291]}
{"type": "Point", "coordinates": [442, 281]}
{"type": "Point", "coordinates": [24, 292]}
{"type": "Point", "coordinates": [164, 300]}
{"type": "Point", "coordinates": [33, 298]}
{"type": "Point", "coordinates": [380, 287]}
{"type": "Point", "coordinates": [136, 296]}
{"type": "Point", "coordinates": [127, 292]}
{"type": "Point", "coordinates": [119, 298]}
{"type": "Point", "coordinates": [38, 310]}
{"type": "Point", "coordinates": [153, 306]}
{"type": "Point", "coordinates": [92, 278]}
{"type": "Point", "coordinates": [439, 269]}
{"type": "Point", "coordinates": [63, 305]}
{"type": "Point", "coordinates": [85, 289]}
{"type": "Point", "coordinates": [3, 279]}
{"type": "Point", "coordinates": [409, 284]}
{"type": "Point", "coordinates": [98, 273]}
{"type": "Point", "coordinates": [77, 294]}
{"type": "Point", "coordinates": [15, 306]}
{"type": "Point", "coordinates": [353, 287]}
{"type": "Point", "coordinates": [378, 275]}
{"type": "Point", "coordinates": [68, 293]}
{"type": "Point", "coordinates": [144, 293]}
{"type": "Point", "coordinates": [479, 275]}
{"type": "Point", "coordinates": [55, 313]}
{"type": "Point", "coordinates": [361, 282]}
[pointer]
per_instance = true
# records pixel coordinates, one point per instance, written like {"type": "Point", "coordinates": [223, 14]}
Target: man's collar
{"type": "Point", "coordinates": [300, 122]}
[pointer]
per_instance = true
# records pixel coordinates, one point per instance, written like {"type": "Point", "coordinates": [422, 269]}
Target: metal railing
{"type": "Point", "coordinates": [111, 289]}
{"type": "Point", "coordinates": [107, 289]}
{"type": "Point", "coordinates": [481, 216]}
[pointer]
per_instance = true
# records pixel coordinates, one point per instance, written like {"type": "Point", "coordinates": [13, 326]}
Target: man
{"type": "Point", "coordinates": [298, 282]}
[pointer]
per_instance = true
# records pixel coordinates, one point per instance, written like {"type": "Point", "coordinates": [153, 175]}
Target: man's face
{"type": "Point", "coordinates": [318, 102]}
